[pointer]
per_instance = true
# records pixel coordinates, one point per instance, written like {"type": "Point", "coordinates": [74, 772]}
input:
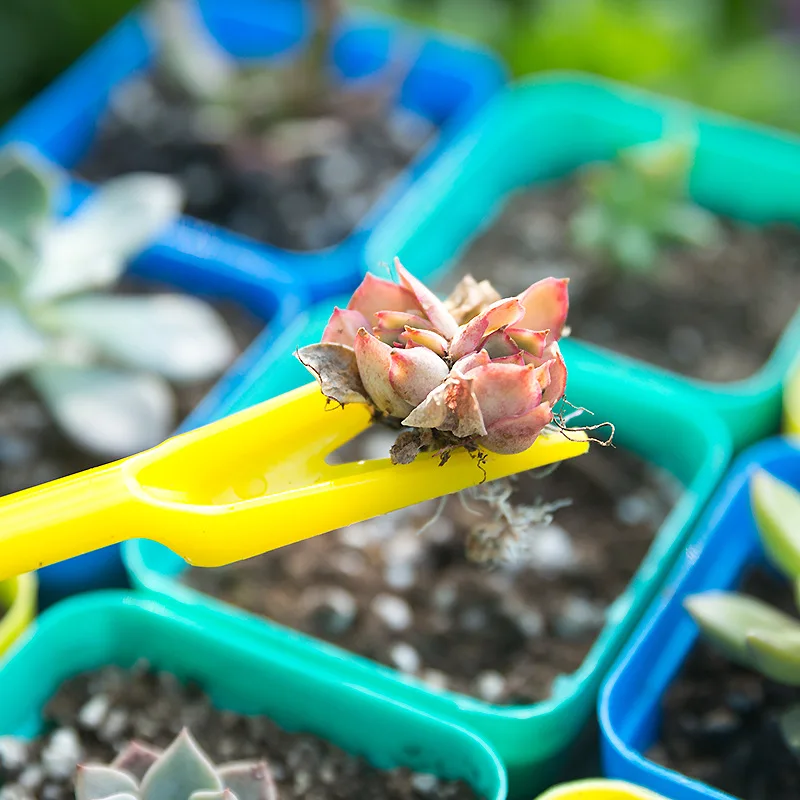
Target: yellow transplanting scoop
{"type": "Point", "coordinates": [249, 483]}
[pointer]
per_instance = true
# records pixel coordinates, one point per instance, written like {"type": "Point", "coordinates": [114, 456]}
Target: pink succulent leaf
{"type": "Point", "coordinates": [452, 407]}
{"type": "Point", "coordinates": [516, 434]}
{"type": "Point", "coordinates": [479, 359]}
{"type": "Point", "coordinates": [335, 367]}
{"type": "Point", "coordinates": [558, 378]}
{"type": "Point", "coordinates": [517, 358]}
{"type": "Point", "coordinates": [374, 359]}
{"type": "Point", "coordinates": [398, 320]}
{"type": "Point", "coordinates": [136, 758]}
{"type": "Point", "coordinates": [343, 326]}
{"type": "Point", "coordinates": [542, 372]}
{"type": "Point", "coordinates": [500, 344]}
{"type": "Point", "coordinates": [546, 305]}
{"type": "Point", "coordinates": [469, 298]}
{"type": "Point", "coordinates": [532, 341]}
{"type": "Point", "coordinates": [377, 294]}
{"type": "Point", "coordinates": [249, 780]}
{"type": "Point", "coordinates": [433, 307]}
{"type": "Point", "coordinates": [505, 390]}
{"type": "Point", "coordinates": [415, 373]}
{"type": "Point", "coordinates": [422, 338]}
{"type": "Point", "coordinates": [498, 315]}
{"type": "Point", "coordinates": [392, 337]}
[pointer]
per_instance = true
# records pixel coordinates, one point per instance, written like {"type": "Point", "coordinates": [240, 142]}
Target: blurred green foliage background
{"type": "Point", "coordinates": [739, 56]}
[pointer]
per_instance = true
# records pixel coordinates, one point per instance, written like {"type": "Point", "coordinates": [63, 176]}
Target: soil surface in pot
{"type": "Point", "coordinates": [713, 314]}
{"type": "Point", "coordinates": [414, 601]}
{"type": "Point", "coordinates": [33, 449]}
{"type": "Point", "coordinates": [303, 184]}
{"type": "Point", "coordinates": [721, 721]}
{"type": "Point", "coordinates": [93, 716]}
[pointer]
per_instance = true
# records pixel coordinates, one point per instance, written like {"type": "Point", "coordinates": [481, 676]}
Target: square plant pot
{"type": "Point", "coordinates": [450, 79]}
{"type": "Point", "coordinates": [17, 607]}
{"type": "Point", "coordinates": [111, 628]}
{"type": "Point", "coordinates": [726, 543]}
{"type": "Point", "coordinates": [196, 264]}
{"type": "Point", "coordinates": [533, 740]}
{"type": "Point", "coordinates": [545, 128]}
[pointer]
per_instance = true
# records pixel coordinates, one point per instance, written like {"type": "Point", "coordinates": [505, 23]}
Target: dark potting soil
{"type": "Point", "coordinates": [415, 602]}
{"type": "Point", "coordinates": [713, 314]}
{"type": "Point", "coordinates": [33, 450]}
{"type": "Point", "coordinates": [93, 716]}
{"type": "Point", "coordinates": [302, 185]}
{"type": "Point", "coordinates": [720, 721]}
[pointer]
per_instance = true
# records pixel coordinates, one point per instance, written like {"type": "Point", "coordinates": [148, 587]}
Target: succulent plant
{"type": "Point", "coordinates": [638, 202]}
{"type": "Point", "coordinates": [181, 772]}
{"type": "Point", "coordinates": [98, 361]}
{"type": "Point", "coordinates": [195, 63]}
{"type": "Point", "coordinates": [475, 370]}
{"type": "Point", "coordinates": [749, 631]}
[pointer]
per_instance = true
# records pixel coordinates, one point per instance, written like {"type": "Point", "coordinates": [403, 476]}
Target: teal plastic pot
{"type": "Point", "coordinates": [652, 420]}
{"type": "Point", "coordinates": [541, 129]}
{"type": "Point", "coordinates": [239, 673]}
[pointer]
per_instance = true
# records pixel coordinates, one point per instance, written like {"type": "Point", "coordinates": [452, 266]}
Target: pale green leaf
{"type": "Point", "coordinates": [97, 782]}
{"type": "Point", "coordinates": [590, 228]}
{"type": "Point", "coordinates": [692, 225]}
{"type": "Point", "coordinates": [183, 770]}
{"type": "Point", "coordinates": [91, 248]}
{"type": "Point", "coordinates": [214, 794]}
{"type": "Point", "coordinates": [635, 248]}
{"type": "Point", "coordinates": [789, 721]}
{"type": "Point", "coordinates": [136, 758]}
{"type": "Point", "coordinates": [26, 189]}
{"type": "Point", "coordinates": [776, 507]}
{"type": "Point", "coordinates": [187, 51]}
{"type": "Point", "coordinates": [17, 260]}
{"type": "Point", "coordinates": [21, 345]}
{"type": "Point", "coordinates": [105, 411]}
{"type": "Point", "coordinates": [776, 654]}
{"type": "Point", "coordinates": [180, 337]}
{"type": "Point", "coordinates": [726, 619]}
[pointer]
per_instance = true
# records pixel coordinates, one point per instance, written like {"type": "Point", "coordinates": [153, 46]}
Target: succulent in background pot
{"type": "Point", "coordinates": [100, 362]}
{"type": "Point", "coordinates": [702, 702]}
{"type": "Point", "coordinates": [182, 772]}
{"type": "Point", "coordinates": [280, 150]}
{"type": "Point", "coordinates": [109, 680]}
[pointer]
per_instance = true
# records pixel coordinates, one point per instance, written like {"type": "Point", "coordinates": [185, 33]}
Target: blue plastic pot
{"type": "Point", "coordinates": [202, 265]}
{"type": "Point", "coordinates": [449, 81]}
{"type": "Point", "coordinates": [99, 629]}
{"type": "Point", "coordinates": [725, 545]}
{"type": "Point", "coordinates": [534, 740]}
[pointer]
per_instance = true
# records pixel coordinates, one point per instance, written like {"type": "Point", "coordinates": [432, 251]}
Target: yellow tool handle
{"type": "Point", "coordinates": [72, 519]}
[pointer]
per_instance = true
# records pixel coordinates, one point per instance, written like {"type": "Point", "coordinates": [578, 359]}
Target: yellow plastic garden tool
{"type": "Point", "coordinates": [791, 402]}
{"type": "Point", "coordinates": [599, 789]}
{"type": "Point", "coordinates": [249, 483]}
